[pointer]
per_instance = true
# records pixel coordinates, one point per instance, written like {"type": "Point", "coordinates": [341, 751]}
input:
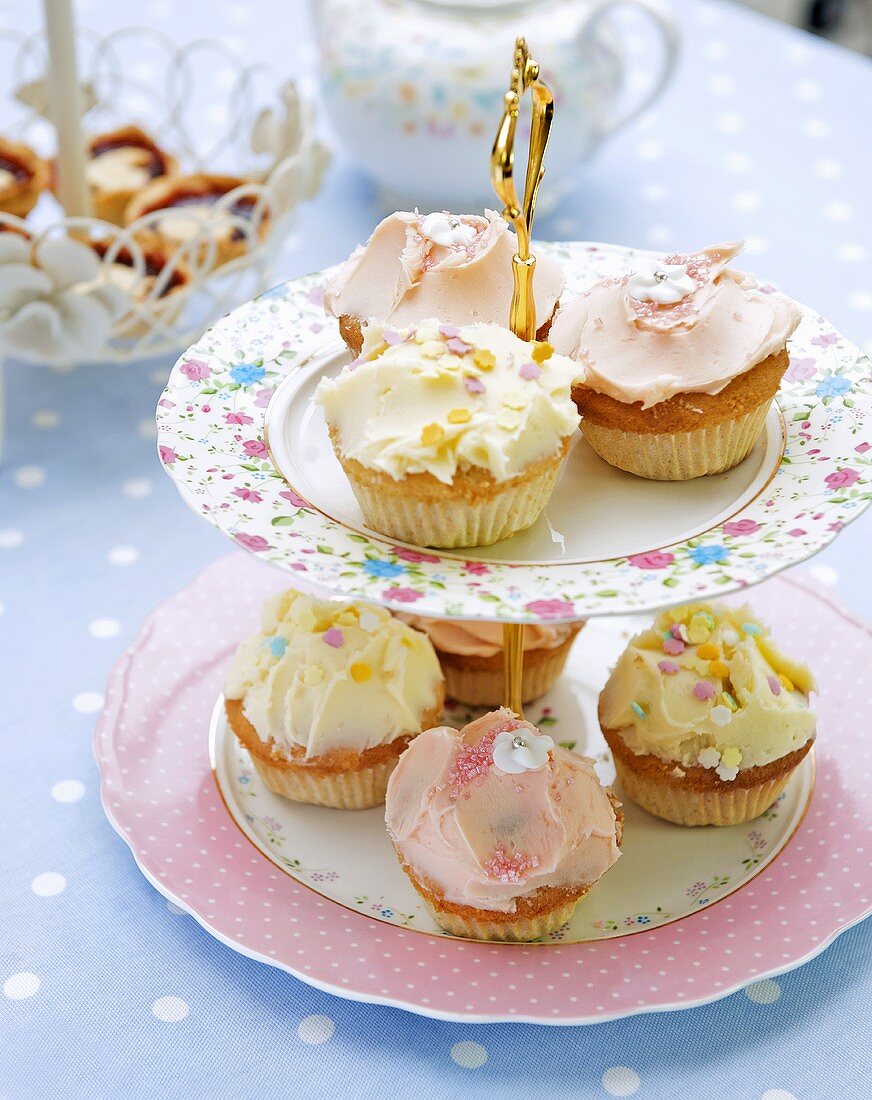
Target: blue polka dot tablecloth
{"type": "Point", "coordinates": [108, 990]}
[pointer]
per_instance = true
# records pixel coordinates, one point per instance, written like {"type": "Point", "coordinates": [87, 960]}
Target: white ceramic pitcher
{"type": "Point", "coordinates": [414, 88]}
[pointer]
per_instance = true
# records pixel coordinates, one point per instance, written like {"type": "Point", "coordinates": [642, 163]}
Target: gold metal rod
{"type": "Point", "coordinates": [522, 314]}
{"type": "Point", "coordinates": [513, 666]}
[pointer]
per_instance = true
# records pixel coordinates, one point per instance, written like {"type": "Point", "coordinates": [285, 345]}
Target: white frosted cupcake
{"type": "Point", "coordinates": [327, 695]}
{"type": "Point", "coordinates": [454, 266]}
{"type": "Point", "coordinates": [706, 718]}
{"type": "Point", "coordinates": [451, 436]}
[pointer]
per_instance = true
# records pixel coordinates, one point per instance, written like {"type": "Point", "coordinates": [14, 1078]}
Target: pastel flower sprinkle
{"type": "Point", "coordinates": [334, 637]}
{"type": "Point", "coordinates": [721, 715]}
{"type": "Point", "coordinates": [774, 684]}
{"type": "Point", "coordinates": [360, 672]}
{"type": "Point", "coordinates": [313, 675]}
{"type": "Point", "coordinates": [432, 434]}
{"type": "Point", "coordinates": [750, 628]}
{"type": "Point", "coordinates": [725, 772]}
{"type": "Point", "coordinates": [277, 646]}
{"type": "Point", "coordinates": [484, 359]}
{"type": "Point", "coordinates": [731, 756]}
{"type": "Point", "coordinates": [449, 331]}
{"type": "Point", "coordinates": [709, 758]}
{"type": "Point", "coordinates": [459, 416]}
{"type": "Point", "coordinates": [673, 646]}
{"type": "Point", "coordinates": [542, 350]}
{"type": "Point", "coordinates": [719, 668]}
{"type": "Point", "coordinates": [703, 691]}
{"type": "Point", "coordinates": [529, 372]}
{"type": "Point", "coordinates": [668, 668]}
{"type": "Point", "coordinates": [460, 347]}
{"type": "Point", "coordinates": [638, 709]}
{"type": "Point", "coordinates": [473, 384]}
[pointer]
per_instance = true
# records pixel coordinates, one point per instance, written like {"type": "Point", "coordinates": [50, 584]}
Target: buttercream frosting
{"type": "Point", "coordinates": [436, 398]}
{"type": "Point", "coordinates": [706, 685]}
{"type": "Point", "coordinates": [483, 835]}
{"type": "Point", "coordinates": [477, 638]}
{"type": "Point", "coordinates": [688, 324]}
{"type": "Point", "coordinates": [456, 267]}
{"type": "Point", "coordinates": [326, 675]}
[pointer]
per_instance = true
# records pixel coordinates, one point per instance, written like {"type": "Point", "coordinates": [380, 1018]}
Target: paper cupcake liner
{"type": "Point", "coordinates": [486, 687]}
{"type": "Point", "coordinates": [685, 806]}
{"type": "Point", "coordinates": [678, 456]}
{"type": "Point", "coordinates": [448, 522]}
{"type": "Point", "coordinates": [522, 930]}
{"type": "Point", "coordinates": [347, 790]}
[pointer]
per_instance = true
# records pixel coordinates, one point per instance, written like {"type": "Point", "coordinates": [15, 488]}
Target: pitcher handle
{"type": "Point", "coordinates": [670, 37]}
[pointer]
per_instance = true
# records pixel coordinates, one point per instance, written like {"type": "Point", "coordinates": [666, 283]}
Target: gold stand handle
{"type": "Point", "coordinates": [522, 317]}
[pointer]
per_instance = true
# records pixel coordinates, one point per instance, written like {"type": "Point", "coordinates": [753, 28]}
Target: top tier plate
{"type": "Point", "coordinates": [248, 451]}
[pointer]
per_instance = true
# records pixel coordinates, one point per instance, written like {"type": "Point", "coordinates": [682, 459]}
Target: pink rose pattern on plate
{"type": "Point", "coordinates": [210, 430]}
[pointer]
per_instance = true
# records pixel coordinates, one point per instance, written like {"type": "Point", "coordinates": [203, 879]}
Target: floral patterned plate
{"type": "Point", "coordinates": [660, 545]}
{"type": "Point", "coordinates": [282, 887]}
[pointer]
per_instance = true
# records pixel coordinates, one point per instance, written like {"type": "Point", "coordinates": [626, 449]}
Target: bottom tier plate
{"type": "Point", "coordinates": [686, 916]}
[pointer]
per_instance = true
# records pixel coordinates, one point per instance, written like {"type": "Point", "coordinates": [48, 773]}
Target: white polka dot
{"type": "Point", "coordinates": [721, 85]}
{"type": "Point", "coordinates": [817, 128]}
{"type": "Point", "coordinates": [45, 418]}
{"type": "Point", "coordinates": [10, 538]}
{"type": "Point", "coordinates": [756, 245]}
{"type": "Point", "coordinates": [807, 90]}
{"type": "Point", "coordinates": [469, 1055]}
{"type": "Point", "coordinates": [826, 574]}
{"type": "Point", "coordinates": [828, 169]}
{"type": "Point", "coordinates": [68, 790]}
{"type": "Point", "coordinates": [763, 993]}
{"type": "Point", "coordinates": [88, 702]}
{"type": "Point", "coordinates": [852, 253]}
{"type": "Point", "coordinates": [838, 211]}
{"type": "Point", "coordinates": [48, 884]}
{"type": "Point", "coordinates": [147, 428]}
{"type": "Point", "coordinates": [747, 200]}
{"type": "Point", "coordinates": [650, 150]}
{"type": "Point", "coordinates": [621, 1081]}
{"type": "Point", "coordinates": [737, 162]}
{"type": "Point", "coordinates": [315, 1029]}
{"type": "Point", "coordinates": [19, 986]}
{"type": "Point", "coordinates": [29, 477]}
{"type": "Point", "coordinates": [137, 487]}
{"type": "Point", "coordinates": [777, 1094]}
{"type": "Point", "coordinates": [104, 628]}
{"type": "Point", "coordinates": [122, 555]}
{"type": "Point", "coordinates": [730, 122]}
{"type": "Point", "coordinates": [860, 300]}
{"type": "Point", "coordinates": [170, 1009]}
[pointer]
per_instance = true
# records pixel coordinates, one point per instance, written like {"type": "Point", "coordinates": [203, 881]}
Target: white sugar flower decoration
{"type": "Point", "coordinates": [521, 750]}
{"type": "Point", "coordinates": [53, 299]}
{"type": "Point", "coordinates": [662, 283]}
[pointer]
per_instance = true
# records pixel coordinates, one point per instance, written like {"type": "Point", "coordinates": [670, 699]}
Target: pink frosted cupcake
{"type": "Point", "coordinates": [457, 267]}
{"type": "Point", "coordinates": [500, 831]}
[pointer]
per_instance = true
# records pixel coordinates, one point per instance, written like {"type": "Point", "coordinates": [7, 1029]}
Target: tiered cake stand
{"type": "Point", "coordinates": [318, 892]}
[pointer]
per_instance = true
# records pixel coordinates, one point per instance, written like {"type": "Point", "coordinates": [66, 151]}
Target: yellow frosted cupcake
{"type": "Point", "coordinates": [706, 718]}
{"type": "Point", "coordinates": [681, 361]}
{"type": "Point", "coordinates": [327, 695]}
{"type": "Point", "coordinates": [500, 831]}
{"type": "Point", "coordinates": [471, 654]}
{"type": "Point", "coordinates": [451, 436]}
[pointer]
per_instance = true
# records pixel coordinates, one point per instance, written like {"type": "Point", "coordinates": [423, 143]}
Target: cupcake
{"type": "Point", "coordinates": [450, 436]}
{"type": "Point", "coordinates": [471, 654]}
{"type": "Point", "coordinates": [706, 718]}
{"type": "Point", "coordinates": [454, 266]}
{"type": "Point", "coordinates": [327, 696]}
{"type": "Point", "coordinates": [23, 178]}
{"type": "Point", "coordinates": [119, 165]}
{"type": "Point", "coordinates": [500, 831]}
{"type": "Point", "coordinates": [681, 362]}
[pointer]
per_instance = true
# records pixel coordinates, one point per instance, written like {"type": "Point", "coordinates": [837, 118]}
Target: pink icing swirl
{"type": "Point", "coordinates": [505, 835]}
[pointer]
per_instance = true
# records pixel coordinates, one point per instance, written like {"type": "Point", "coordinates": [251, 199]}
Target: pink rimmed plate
{"type": "Point", "coordinates": [249, 452]}
{"type": "Point", "coordinates": [275, 882]}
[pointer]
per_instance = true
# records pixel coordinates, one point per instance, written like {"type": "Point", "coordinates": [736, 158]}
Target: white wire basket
{"type": "Point", "coordinates": [76, 289]}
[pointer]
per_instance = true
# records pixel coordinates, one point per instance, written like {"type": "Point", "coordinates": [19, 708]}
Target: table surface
{"type": "Point", "coordinates": [112, 992]}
